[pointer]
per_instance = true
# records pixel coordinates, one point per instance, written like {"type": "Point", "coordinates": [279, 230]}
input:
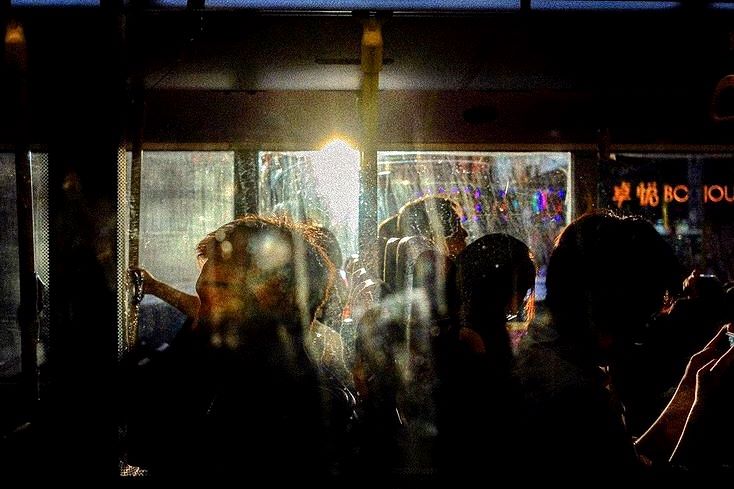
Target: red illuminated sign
{"type": "Point", "coordinates": [648, 195]}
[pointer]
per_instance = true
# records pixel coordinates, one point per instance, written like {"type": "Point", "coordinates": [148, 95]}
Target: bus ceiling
{"type": "Point", "coordinates": [497, 76]}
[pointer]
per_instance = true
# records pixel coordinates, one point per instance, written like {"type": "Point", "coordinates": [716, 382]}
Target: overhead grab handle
{"type": "Point", "coordinates": [722, 102]}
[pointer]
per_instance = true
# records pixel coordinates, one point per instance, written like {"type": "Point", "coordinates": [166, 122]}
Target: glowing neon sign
{"type": "Point", "coordinates": [648, 193]}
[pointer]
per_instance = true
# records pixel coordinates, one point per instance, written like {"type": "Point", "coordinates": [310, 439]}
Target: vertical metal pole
{"type": "Point", "coordinates": [246, 182]}
{"type": "Point", "coordinates": [16, 58]}
{"type": "Point", "coordinates": [369, 107]}
{"type": "Point", "coordinates": [138, 113]}
{"type": "Point", "coordinates": [134, 229]}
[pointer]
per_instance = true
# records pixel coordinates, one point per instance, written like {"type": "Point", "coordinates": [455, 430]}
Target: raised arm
{"type": "Point", "coordinates": [701, 437]}
{"type": "Point", "coordinates": [659, 442]}
{"type": "Point", "coordinates": [186, 303]}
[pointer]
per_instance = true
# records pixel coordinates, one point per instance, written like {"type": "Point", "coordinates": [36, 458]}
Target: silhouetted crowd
{"type": "Point", "coordinates": [396, 367]}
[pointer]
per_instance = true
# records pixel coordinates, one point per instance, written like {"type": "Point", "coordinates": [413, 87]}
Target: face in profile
{"type": "Point", "coordinates": [243, 286]}
{"type": "Point", "coordinates": [222, 285]}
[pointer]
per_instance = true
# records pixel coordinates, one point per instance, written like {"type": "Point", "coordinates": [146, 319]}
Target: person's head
{"type": "Point", "coordinates": [438, 219]}
{"type": "Point", "coordinates": [259, 277]}
{"type": "Point", "coordinates": [494, 276]}
{"type": "Point", "coordinates": [607, 275]}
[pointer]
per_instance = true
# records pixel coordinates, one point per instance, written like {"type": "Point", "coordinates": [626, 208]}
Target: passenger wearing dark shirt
{"type": "Point", "coordinates": [606, 277]}
{"type": "Point", "coordinates": [236, 396]}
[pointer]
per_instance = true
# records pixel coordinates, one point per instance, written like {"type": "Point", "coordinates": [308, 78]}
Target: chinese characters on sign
{"type": "Point", "coordinates": [647, 192]}
{"type": "Point", "coordinates": [621, 193]}
{"type": "Point", "coordinates": [648, 195]}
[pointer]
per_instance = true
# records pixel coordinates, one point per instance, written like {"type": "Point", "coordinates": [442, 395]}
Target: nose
{"type": "Point", "coordinates": [212, 282]}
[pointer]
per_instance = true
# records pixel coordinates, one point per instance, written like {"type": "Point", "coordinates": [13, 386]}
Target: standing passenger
{"type": "Point", "coordinates": [607, 276]}
{"type": "Point", "coordinates": [236, 396]}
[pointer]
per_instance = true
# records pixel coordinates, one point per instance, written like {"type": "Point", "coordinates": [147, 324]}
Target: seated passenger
{"type": "Point", "coordinates": [494, 276]}
{"type": "Point", "coordinates": [438, 219]}
{"type": "Point", "coordinates": [481, 415]}
{"type": "Point", "coordinates": [435, 220]}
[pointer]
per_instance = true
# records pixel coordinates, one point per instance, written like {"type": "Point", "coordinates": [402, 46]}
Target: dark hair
{"type": "Point", "coordinates": [326, 239]}
{"type": "Point", "coordinates": [315, 272]}
{"type": "Point", "coordinates": [604, 265]}
{"type": "Point", "coordinates": [429, 216]}
{"type": "Point", "coordinates": [492, 273]}
{"type": "Point", "coordinates": [494, 269]}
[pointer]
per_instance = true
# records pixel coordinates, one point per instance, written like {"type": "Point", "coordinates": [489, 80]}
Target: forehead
{"type": "Point", "coordinates": [267, 249]}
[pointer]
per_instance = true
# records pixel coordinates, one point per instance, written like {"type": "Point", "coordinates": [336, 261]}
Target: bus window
{"type": "Point", "coordinates": [322, 186]}
{"type": "Point", "coordinates": [10, 338]}
{"type": "Point", "coordinates": [183, 196]}
{"type": "Point", "coordinates": [521, 194]}
{"type": "Point", "coordinates": [688, 197]}
{"type": "Point", "coordinates": [10, 291]}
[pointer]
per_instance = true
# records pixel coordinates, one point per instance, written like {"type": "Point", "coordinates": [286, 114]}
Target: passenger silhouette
{"type": "Point", "coordinates": [480, 405]}
{"type": "Point", "coordinates": [436, 218]}
{"type": "Point", "coordinates": [236, 394]}
{"type": "Point", "coordinates": [607, 275]}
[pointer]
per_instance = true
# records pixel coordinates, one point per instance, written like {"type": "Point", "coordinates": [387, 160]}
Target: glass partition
{"type": "Point", "coordinates": [522, 194]}
{"type": "Point", "coordinates": [689, 198]}
{"type": "Point", "coordinates": [183, 196]}
{"type": "Point", "coordinates": [10, 286]}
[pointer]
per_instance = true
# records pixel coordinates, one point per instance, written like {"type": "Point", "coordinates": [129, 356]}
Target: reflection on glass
{"type": "Point", "coordinates": [689, 199]}
{"type": "Point", "coordinates": [183, 196]}
{"type": "Point", "coordinates": [521, 194]}
{"type": "Point", "coordinates": [9, 280]}
{"type": "Point", "coordinates": [41, 248]}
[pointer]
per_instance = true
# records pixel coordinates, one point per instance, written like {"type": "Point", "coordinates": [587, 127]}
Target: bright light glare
{"type": "Point", "coordinates": [336, 171]}
{"type": "Point", "coordinates": [14, 34]}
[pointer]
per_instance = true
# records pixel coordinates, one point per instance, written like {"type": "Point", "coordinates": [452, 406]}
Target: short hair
{"type": "Point", "coordinates": [493, 273]}
{"type": "Point", "coordinates": [430, 216]}
{"type": "Point", "coordinates": [493, 270]}
{"type": "Point", "coordinates": [328, 242]}
{"type": "Point", "coordinates": [611, 263]}
{"type": "Point", "coordinates": [315, 271]}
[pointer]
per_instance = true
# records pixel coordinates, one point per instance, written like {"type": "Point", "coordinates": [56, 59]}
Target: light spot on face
{"type": "Point", "coordinates": [226, 249]}
{"type": "Point", "coordinates": [220, 235]}
{"type": "Point", "coordinates": [269, 252]}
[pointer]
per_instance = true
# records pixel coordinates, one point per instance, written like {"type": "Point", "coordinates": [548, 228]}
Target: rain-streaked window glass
{"type": "Point", "coordinates": [522, 194]}
{"type": "Point", "coordinates": [10, 292]}
{"type": "Point", "coordinates": [183, 196]}
{"type": "Point", "coordinates": [320, 186]}
{"type": "Point", "coordinates": [689, 198]}
{"type": "Point", "coordinates": [10, 337]}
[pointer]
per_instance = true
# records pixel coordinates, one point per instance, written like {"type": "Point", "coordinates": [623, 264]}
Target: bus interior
{"type": "Point", "coordinates": [133, 128]}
